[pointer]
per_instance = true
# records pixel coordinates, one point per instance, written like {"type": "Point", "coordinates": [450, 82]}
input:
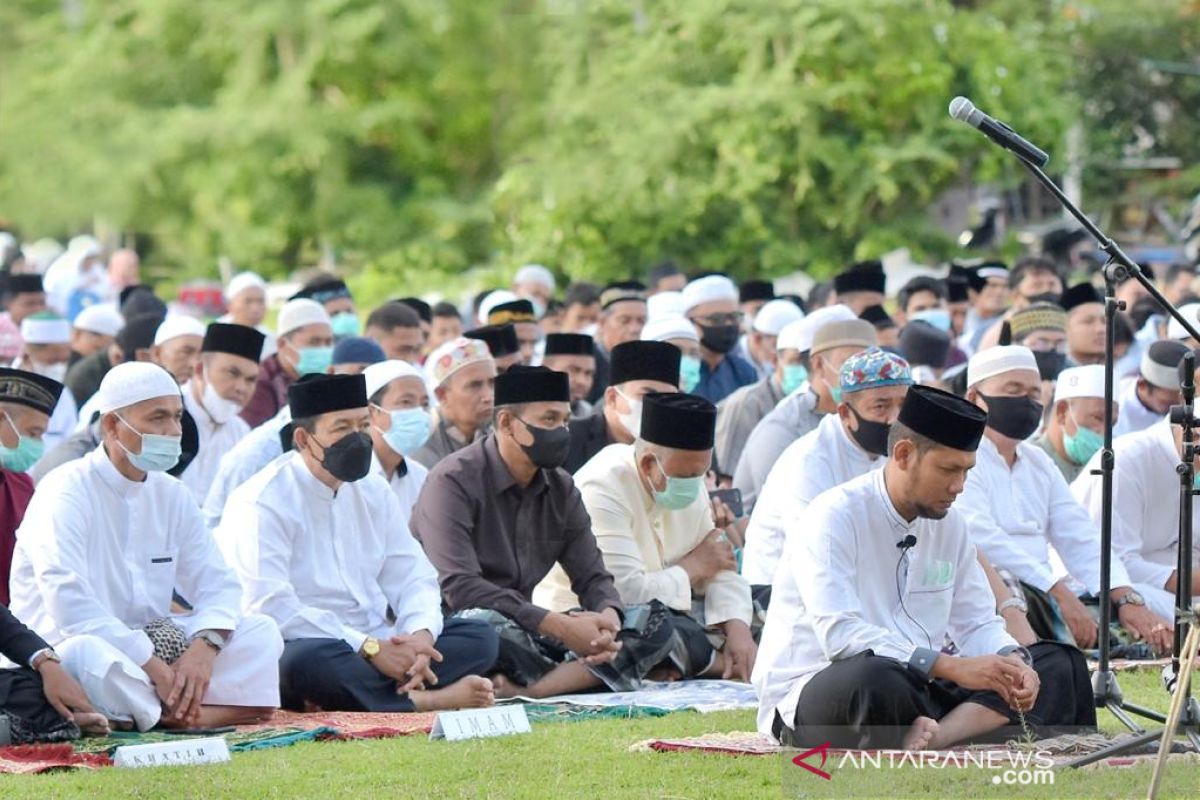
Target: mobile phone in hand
{"type": "Point", "coordinates": [731, 498]}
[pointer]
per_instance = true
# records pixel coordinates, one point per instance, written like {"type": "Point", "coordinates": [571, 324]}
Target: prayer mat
{"type": "Point", "coordinates": [30, 759]}
{"type": "Point", "coordinates": [695, 695]}
{"type": "Point", "coordinates": [1129, 665]}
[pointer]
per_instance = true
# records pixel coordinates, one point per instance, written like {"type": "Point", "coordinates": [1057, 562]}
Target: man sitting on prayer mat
{"type": "Point", "coordinates": [106, 541]}
{"type": "Point", "coordinates": [654, 524]}
{"type": "Point", "coordinates": [1017, 505]}
{"type": "Point", "coordinates": [850, 652]}
{"type": "Point", "coordinates": [461, 373]}
{"type": "Point", "coordinates": [496, 516]}
{"type": "Point", "coordinates": [843, 446]}
{"type": "Point", "coordinates": [320, 546]}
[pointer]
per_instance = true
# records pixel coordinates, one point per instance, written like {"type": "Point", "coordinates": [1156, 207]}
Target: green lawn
{"type": "Point", "coordinates": [577, 759]}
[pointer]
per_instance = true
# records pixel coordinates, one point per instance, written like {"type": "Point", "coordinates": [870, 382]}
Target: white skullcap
{"type": "Point", "coordinates": [666, 328]}
{"type": "Point", "coordinates": [45, 328]}
{"type": "Point", "coordinates": [776, 315]}
{"type": "Point", "coordinates": [802, 339]}
{"type": "Point", "coordinates": [133, 382]}
{"type": "Point", "coordinates": [708, 289]}
{"type": "Point", "coordinates": [998, 360]}
{"type": "Point", "coordinates": [493, 299]}
{"type": "Point", "coordinates": [664, 304]}
{"type": "Point", "coordinates": [84, 245]}
{"type": "Point", "coordinates": [243, 281]}
{"type": "Point", "coordinates": [1190, 312]}
{"type": "Point", "coordinates": [298, 313]}
{"type": "Point", "coordinates": [790, 337]}
{"type": "Point", "coordinates": [1076, 382]}
{"type": "Point", "coordinates": [381, 374]}
{"type": "Point", "coordinates": [178, 325]}
{"type": "Point", "coordinates": [535, 273]}
{"type": "Point", "coordinates": [100, 318]}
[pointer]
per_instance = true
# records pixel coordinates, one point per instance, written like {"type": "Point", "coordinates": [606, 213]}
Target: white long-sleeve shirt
{"type": "Point", "coordinates": [642, 543]}
{"type": "Point", "coordinates": [1133, 415]}
{"type": "Point", "coordinates": [99, 554]}
{"type": "Point", "coordinates": [257, 449]}
{"type": "Point", "coordinates": [327, 565]}
{"type": "Point", "coordinates": [836, 593]}
{"type": "Point", "coordinates": [1145, 503]}
{"type": "Point", "coordinates": [1015, 515]}
{"type": "Point", "coordinates": [816, 462]}
{"type": "Point", "coordinates": [216, 439]}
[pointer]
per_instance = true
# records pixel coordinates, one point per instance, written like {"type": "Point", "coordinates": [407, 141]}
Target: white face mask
{"type": "Point", "coordinates": [54, 372]}
{"type": "Point", "coordinates": [633, 419]}
{"type": "Point", "coordinates": [217, 407]}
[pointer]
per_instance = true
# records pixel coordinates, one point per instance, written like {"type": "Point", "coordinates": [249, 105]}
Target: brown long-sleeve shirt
{"type": "Point", "coordinates": [493, 541]}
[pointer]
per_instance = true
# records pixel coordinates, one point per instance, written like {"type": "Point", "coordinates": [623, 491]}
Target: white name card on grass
{"type": "Point", "coordinates": [169, 754]}
{"type": "Point", "coordinates": [478, 723]}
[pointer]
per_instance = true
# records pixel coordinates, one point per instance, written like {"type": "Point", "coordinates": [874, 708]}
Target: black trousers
{"type": "Point", "coordinates": [870, 701]}
{"type": "Point", "coordinates": [30, 716]}
{"type": "Point", "coordinates": [329, 674]}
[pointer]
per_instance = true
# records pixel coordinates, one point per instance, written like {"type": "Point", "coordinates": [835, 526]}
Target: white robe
{"type": "Point", "coordinates": [1016, 515]}
{"type": "Point", "coordinates": [1145, 511]}
{"type": "Point", "coordinates": [98, 557]}
{"type": "Point", "coordinates": [328, 565]}
{"type": "Point", "coordinates": [817, 461]}
{"type": "Point", "coordinates": [1133, 416]}
{"type": "Point", "coordinates": [216, 439]}
{"type": "Point", "coordinates": [836, 594]}
{"type": "Point", "coordinates": [256, 449]}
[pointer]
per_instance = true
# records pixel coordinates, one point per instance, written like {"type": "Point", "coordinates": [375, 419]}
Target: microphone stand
{"type": "Point", "coordinates": [1104, 682]}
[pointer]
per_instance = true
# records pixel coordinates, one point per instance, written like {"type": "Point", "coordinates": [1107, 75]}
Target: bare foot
{"type": "Point", "coordinates": [472, 691]}
{"type": "Point", "coordinates": [91, 724]}
{"type": "Point", "coordinates": [668, 673]}
{"type": "Point", "coordinates": [504, 688]}
{"type": "Point", "coordinates": [921, 734]}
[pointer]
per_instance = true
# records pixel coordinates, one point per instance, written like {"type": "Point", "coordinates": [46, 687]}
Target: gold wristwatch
{"type": "Point", "coordinates": [370, 648]}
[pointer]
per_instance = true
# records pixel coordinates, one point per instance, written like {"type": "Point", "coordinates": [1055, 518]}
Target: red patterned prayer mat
{"type": "Point", "coordinates": [350, 724]}
{"type": "Point", "coordinates": [29, 759]}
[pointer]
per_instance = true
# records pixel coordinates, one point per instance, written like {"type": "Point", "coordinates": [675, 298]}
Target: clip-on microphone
{"type": "Point", "coordinates": [907, 542]}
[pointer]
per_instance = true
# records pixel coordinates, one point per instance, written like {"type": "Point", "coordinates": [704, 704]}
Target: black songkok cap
{"type": "Point", "coordinates": [945, 418]}
{"type": "Point", "coordinates": [521, 384]}
{"type": "Point", "coordinates": [625, 290]}
{"type": "Point", "coordinates": [29, 389]}
{"type": "Point", "coordinates": [512, 311]}
{"type": "Point", "coordinates": [866, 276]}
{"type": "Point", "coordinates": [23, 283]}
{"type": "Point", "coordinates": [423, 309]}
{"type": "Point", "coordinates": [679, 421]}
{"type": "Point", "coordinates": [956, 290]}
{"type": "Point", "coordinates": [644, 361]}
{"type": "Point", "coordinates": [921, 344]}
{"type": "Point", "coordinates": [756, 290]}
{"type": "Point", "coordinates": [323, 290]}
{"type": "Point", "coordinates": [877, 317]}
{"type": "Point", "coordinates": [1079, 294]}
{"type": "Point", "coordinates": [138, 334]}
{"type": "Point", "coordinates": [500, 339]}
{"type": "Point", "coordinates": [570, 344]}
{"type": "Point", "coordinates": [236, 340]}
{"type": "Point", "coordinates": [314, 395]}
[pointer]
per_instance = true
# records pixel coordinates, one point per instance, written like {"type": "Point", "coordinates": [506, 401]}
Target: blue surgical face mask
{"type": "Point", "coordinates": [689, 373]}
{"type": "Point", "coordinates": [409, 429]}
{"type": "Point", "coordinates": [937, 317]}
{"type": "Point", "coordinates": [314, 360]}
{"type": "Point", "coordinates": [159, 453]}
{"type": "Point", "coordinates": [794, 376]}
{"type": "Point", "coordinates": [345, 324]}
{"type": "Point", "coordinates": [680, 492]}
{"type": "Point", "coordinates": [27, 452]}
{"type": "Point", "coordinates": [1083, 445]}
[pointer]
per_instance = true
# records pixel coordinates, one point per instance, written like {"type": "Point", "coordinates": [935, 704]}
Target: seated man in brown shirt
{"type": "Point", "coordinates": [495, 516]}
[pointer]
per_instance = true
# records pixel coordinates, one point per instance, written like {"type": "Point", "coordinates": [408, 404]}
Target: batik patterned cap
{"type": "Point", "coordinates": [873, 369]}
{"type": "Point", "coordinates": [452, 356]}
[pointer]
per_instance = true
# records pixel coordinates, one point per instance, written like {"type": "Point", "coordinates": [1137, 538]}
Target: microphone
{"type": "Point", "coordinates": [907, 542]}
{"type": "Point", "coordinates": [1187, 379]}
{"type": "Point", "coordinates": [964, 110]}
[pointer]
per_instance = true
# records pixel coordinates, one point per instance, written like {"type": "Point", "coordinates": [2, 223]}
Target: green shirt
{"type": "Point", "coordinates": [1069, 469]}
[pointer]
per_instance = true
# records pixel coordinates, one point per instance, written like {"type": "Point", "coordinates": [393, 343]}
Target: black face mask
{"type": "Point", "coordinates": [1046, 297]}
{"type": "Point", "coordinates": [1050, 363]}
{"type": "Point", "coordinates": [550, 445]}
{"type": "Point", "coordinates": [349, 458]}
{"type": "Point", "coordinates": [871, 436]}
{"type": "Point", "coordinates": [1014, 417]}
{"type": "Point", "coordinates": [720, 338]}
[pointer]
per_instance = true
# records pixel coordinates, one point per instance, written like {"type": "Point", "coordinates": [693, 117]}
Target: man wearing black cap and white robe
{"type": "Point", "coordinates": [105, 542]}
{"type": "Point", "coordinates": [495, 516]}
{"type": "Point", "coordinates": [574, 354]}
{"type": "Point", "coordinates": [861, 286]}
{"type": "Point", "coordinates": [635, 369]}
{"type": "Point", "coordinates": [1147, 398]}
{"type": "Point", "coordinates": [1085, 324]}
{"type": "Point", "coordinates": [654, 524]}
{"type": "Point", "coordinates": [502, 343]}
{"type": "Point", "coordinates": [221, 386]}
{"type": "Point", "coordinates": [314, 540]}
{"type": "Point", "coordinates": [850, 652]}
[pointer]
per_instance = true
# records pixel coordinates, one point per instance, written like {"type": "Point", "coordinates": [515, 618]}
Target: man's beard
{"type": "Point", "coordinates": [925, 512]}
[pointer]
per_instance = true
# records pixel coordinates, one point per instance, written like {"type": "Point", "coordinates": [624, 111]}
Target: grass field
{"type": "Point", "coordinates": [587, 759]}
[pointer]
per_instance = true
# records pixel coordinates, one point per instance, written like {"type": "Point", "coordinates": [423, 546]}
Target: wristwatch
{"type": "Point", "coordinates": [1013, 602]}
{"type": "Point", "coordinates": [370, 648]}
{"type": "Point", "coordinates": [213, 639]}
{"type": "Point", "coordinates": [1130, 598]}
{"type": "Point", "coordinates": [42, 656]}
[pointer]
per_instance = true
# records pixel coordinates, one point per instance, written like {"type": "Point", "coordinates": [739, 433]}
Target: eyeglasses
{"type": "Point", "coordinates": [717, 320]}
